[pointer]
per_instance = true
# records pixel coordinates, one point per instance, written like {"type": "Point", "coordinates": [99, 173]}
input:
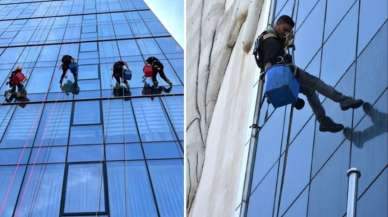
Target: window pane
{"type": "Point", "coordinates": [174, 106]}
{"type": "Point", "coordinates": [119, 123]}
{"type": "Point", "coordinates": [162, 150]}
{"type": "Point", "coordinates": [21, 130]}
{"type": "Point", "coordinates": [370, 136]}
{"type": "Point", "coordinates": [14, 156]}
{"type": "Point", "coordinates": [299, 208]}
{"type": "Point", "coordinates": [54, 126]}
{"type": "Point", "coordinates": [335, 11]}
{"type": "Point", "coordinates": [372, 67]}
{"type": "Point", "coordinates": [297, 173]}
{"type": "Point", "coordinates": [269, 149]}
{"type": "Point", "coordinates": [48, 155]}
{"type": "Point", "coordinates": [10, 180]}
{"type": "Point", "coordinates": [164, 174]}
{"type": "Point", "coordinates": [83, 135]}
{"type": "Point", "coordinates": [335, 61]}
{"type": "Point", "coordinates": [41, 192]}
{"type": "Point", "coordinates": [327, 143]}
{"type": "Point", "coordinates": [85, 189]}
{"type": "Point", "coordinates": [262, 198]}
{"type": "Point", "coordinates": [87, 112]}
{"type": "Point", "coordinates": [151, 120]}
{"type": "Point", "coordinates": [329, 187]}
{"type": "Point", "coordinates": [130, 191]}
{"type": "Point", "coordinates": [130, 151]}
{"type": "Point", "coordinates": [88, 72]}
{"type": "Point", "coordinates": [308, 44]}
{"type": "Point", "coordinates": [369, 24]}
{"type": "Point", "coordinates": [374, 202]}
{"type": "Point", "coordinates": [85, 153]}
{"type": "Point", "coordinates": [39, 80]}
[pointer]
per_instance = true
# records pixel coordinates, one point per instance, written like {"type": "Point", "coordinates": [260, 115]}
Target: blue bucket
{"type": "Point", "coordinates": [281, 87]}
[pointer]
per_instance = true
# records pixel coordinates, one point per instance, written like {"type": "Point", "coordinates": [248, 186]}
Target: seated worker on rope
{"type": "Point", "coordinates": [121, 73]}
{"type": "Point", "coordinates": [68, 62]}
{"type": "Point", "coordinates": [16, 80]}
{"type": "Point", "coordinates": [152, 68]}
{"type": "Point", "coordinates": [274, 42]}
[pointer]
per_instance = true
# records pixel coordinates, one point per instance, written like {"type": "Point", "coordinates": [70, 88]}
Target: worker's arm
{"type": "Point", "coordinates": [272, 49]}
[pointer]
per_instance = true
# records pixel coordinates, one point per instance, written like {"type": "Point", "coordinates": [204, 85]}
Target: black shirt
{"type": "Point", "coordinates": [272, 49]}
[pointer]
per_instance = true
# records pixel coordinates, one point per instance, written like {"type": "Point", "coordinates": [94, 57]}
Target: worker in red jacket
{"type": "Point", "coordinates": [16, 80]}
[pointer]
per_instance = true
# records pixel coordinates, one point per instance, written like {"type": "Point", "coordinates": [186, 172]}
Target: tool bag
{"type": "Point", "coordinates": [148, 70]}
{"type": "Point", "coordinates": [281, 86]}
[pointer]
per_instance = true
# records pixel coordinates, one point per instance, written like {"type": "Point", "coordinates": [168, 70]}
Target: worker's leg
{"type": "Point", "coordinates": [317, 84]}
{"type": "Point", "coordinates": [154, 80]}
{"type": "Point", "coordinates": [164, 77]}
{"type": "Point", "coordinates": [313, 100]}
{"type": "Point", "coordinates": [325, 123]}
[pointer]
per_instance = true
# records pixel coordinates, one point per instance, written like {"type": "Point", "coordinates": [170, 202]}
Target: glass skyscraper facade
{"type": "Point", "coordinates": [89, 154]}
{"type": "Point", "coordinates": [345, 43]}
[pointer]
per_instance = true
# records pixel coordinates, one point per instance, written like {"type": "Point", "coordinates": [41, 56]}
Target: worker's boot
{"type": "Point", "coordinates": [350, 103]}
{"type": "Point", "coordinates": [328, 125]}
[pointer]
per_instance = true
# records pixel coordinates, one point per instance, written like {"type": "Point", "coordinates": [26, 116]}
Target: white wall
{"type": "Point", "coordinates": [221, 87]}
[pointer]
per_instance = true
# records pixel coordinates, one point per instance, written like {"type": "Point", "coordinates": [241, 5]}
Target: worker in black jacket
{"type": "Point", "coordinates": [157, 68]}
{"type": "Point", "coordinates": [275, 42]}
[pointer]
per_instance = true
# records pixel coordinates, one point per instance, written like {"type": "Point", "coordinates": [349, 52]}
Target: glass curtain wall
{"type": "Point", "coordinates": [89, 154]}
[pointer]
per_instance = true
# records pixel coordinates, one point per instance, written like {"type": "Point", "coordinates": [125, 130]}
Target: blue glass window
{"type": "Point", "coordinates": [14, 156]}
{"type": "Point", "coordinates": [87, 112]}
{"type": "Point", "coordinates": [148, 47]}
{"type": "Point", "coordinates": [11, 178]}
{"type": "Point", "coordinates": [84, 189]}
{"type": "Point", "coordinates": [90, 84]}
{"type": "Point", "coordinates": [131, 151]}
{"type": "Point", "coordinates": [39, 80]}
{"type": "Point", "coordinates": [85, 153]}
{"type": "Point", "coordinates": [335, 61]}
{"type": "Point", "coordinates": [151, 121]}
{"type": "Point", "coordinates": [157, 150]}
{"type": "Point", "coordinates": [297, 173]}
{"type": "Point", "coordinates": [372, 66]}
{"type": "Point", "coordinates": [129, 50]}
{"type": "Point", "coordinates": [262, 197]}
{"type": "Point", "coordinates": [174, 106]}
{"type": "Point", "coordinates": [375, 200]}
{"type": "Point", "coordinates": [307, 44]}
{"type": "Point", "coordinates": [268, 152]}
{"type": "Point", "coordinates": [22, 128]}
{"type": "Point", "coordinates": [331, 199]}
{"type": "Point", "coordinates": [130, 191]}
{"type": "Point", "coordinates": [369, 24]}
{"type": "Point", "coordinates": [48, 155]}
{"type": "Point", "coordinates": [166, 173]}
{"type": "Point", "coordinates": [119, 123]}
{"type": "Point", "coordinates": [41, 191]}
{"type": "Point", "coordinates": [90, 46]}
{"type": "Point", "coordinates": [88, 72]}
{"type": "Point", "coordinates": [335, 12]}
{"type": "Point", "coordinates": [84, 135]}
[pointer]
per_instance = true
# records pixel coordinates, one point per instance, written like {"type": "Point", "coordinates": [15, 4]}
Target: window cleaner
{"type": "Point", "coordinates": [17, 90]}
{"type": "Point", "coordinates": [121, 74]}
{"type": "Point", "coordinates": [282, 88]}
{"type": "Point", "coordinates": [152, 68]}
{"type": "Point", "coordinates": [69, 63]}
